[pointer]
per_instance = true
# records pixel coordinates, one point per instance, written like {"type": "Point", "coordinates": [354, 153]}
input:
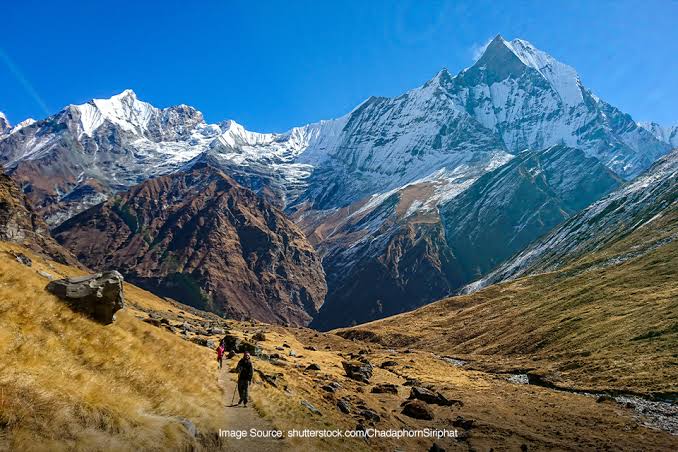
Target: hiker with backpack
{"type": "Point", "coordinates": [245, 373]}
{"type": "Point", "coordinates": [220, 354]}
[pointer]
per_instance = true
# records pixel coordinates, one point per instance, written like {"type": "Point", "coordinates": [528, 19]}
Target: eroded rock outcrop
{"type": "Point", "coordinates": [99, 296]}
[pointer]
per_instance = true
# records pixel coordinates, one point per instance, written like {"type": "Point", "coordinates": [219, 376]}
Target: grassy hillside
{"type": "Point", "coordinates": [68, 382]}
{"type": "Point", "coordinates": [607, 321]}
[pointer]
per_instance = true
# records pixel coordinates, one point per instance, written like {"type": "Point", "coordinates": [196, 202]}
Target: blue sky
{"type": "Point", "coordinates": [273, 65]}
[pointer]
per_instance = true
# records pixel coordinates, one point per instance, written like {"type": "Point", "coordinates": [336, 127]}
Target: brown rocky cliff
{"type": "Point", "coordinates": [20, 223]}
{"type": "Point", "coordinates": [204, 240]}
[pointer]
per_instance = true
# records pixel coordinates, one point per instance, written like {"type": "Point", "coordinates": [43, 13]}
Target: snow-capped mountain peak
{"type": "Point", "coordinates": [5, 126]}
{"type": "Point", "coordinates": [504, 58]}
{"type": "Point", "coordinates": [124, 110]}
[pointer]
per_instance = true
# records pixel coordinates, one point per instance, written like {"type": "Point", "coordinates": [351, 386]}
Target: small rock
{"type": "Point", "coordinates": [417, 409]}
{"type": "Point", "coordinates": [259, 336]}
{"type": "Point", "coordinates": [189, 426]}
{"type": "Point", "coordinates": [292, 353]}
{"type": "Point", "coordinates": [386, 364]}
{"type": "Point", "coordinates": [279, 363]}
{"type": "Point", "coordinates": [466, 424]}
{"type": "Point", "coordinates": [385, 388]}
{"type": "Point", "coordinates": [436, 448]}
{"type": "Point", "coordinates": [344, 406]}
{"type": "Point", "coordinates": [45, 275]}
{"type": "Point", "coordinates": [311, 348]}
{"type": "Point", "coordinates": [428, 396]}
{"type": "Point", "coordinates": [370, 415]}
{"type": "Point", "coordinates": [313, 366]}
{"type": "Point", "coordinates": [99, 296]}
{"type": "Point", "coordinates": [286, 345]}
{"type": "Point", "coordinates": [23, 259]}
{"type": "Point", "coordinates": [215, 331]}
{"type": "Point", "coordinates": [604, 398]}
{"type": "Point", "coordinates": [310, 407]}
{"type": "Point", "coordinates": [210, 344]}
{"type": "Point", "coordinates": [412, 382]}
{"type": "Point", "coordinates": [153, 321]}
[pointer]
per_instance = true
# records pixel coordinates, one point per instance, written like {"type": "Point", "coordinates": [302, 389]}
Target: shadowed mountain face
{"type": "Point", "coordinates": [19, 223]}
{"type": "Point", "coordinates": [424, 258]}
{"type": "Point", "coordinates": [649, 198]}
{"type": "Point", "coordinates": [202, 239]}
{"type": "Point", "coordinates": [506, 209]}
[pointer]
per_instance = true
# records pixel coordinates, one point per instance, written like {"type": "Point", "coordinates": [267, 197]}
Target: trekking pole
{"type": "Point", "coordinates": [233, 398]}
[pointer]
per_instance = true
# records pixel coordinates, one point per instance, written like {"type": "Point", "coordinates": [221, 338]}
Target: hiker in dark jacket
{"type": "Point", "coordinates": [245, 374]}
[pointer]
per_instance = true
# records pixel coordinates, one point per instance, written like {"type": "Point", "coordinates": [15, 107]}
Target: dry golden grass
{"type": "Point", "coordinates": [68, 383]}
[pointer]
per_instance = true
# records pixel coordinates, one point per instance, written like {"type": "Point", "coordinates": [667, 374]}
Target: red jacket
{"type": "Point", "coordinates": [220, 352]}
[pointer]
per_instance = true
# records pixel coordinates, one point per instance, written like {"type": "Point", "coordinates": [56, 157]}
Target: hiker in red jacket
{"type": "Point", "coordinates": [220, 354]}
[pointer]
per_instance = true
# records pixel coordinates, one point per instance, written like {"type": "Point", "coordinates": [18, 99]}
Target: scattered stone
{"type": "Point", "coordinates": [271, 379]}
{"type": "Point", "coordinates": [466, 424]}
{"type": "Point", "coordinates": [279, 363]}
{"type": "Point", "coordinates": [385, 388]}
{"type": "Point", "coordinates": [386, 364]}
{"type": "Point", "coordinates": [164, 321]}
{"type": "Point", "coordinates": [215, 331]}
{"type": "Point", "coordinates": [370, 415]}
{"type": "Point", "coordinates": [189, 426]}
{"type": "Point", "coordinates": [292, 353]}
{"type": "Point", "coordinates": [23, 259]}
{"type": "Point", "coordinates": [412, 382]}
{"type": "Point", "coordinates": [428, 396]}
{"type": "Point", "coordinates": [519, 379]}
{"type": "Point", "coordinates": [313, 366]}
{"type": "Point", "coordinates": [310, 407]}
{"type": "Point", "coordinates": [454, 361]}
{"type": "Point", "coordinates": [210, 344]}
{"type": "Point", "coordinates": [417, 409]}
{"type": "Point", "coordinates": [360, 371]}
{"type": "Point", "coordinates": [286, 345]}
{"type": "Point", "coordinates": [45, 275]}
{"type": "Point", "coordinates": [436, 448]}
{"type": "Point", "coordinates": [99, 296]}
{"type": "Point", "coordinates": [311, 348]}
{"type": "Point", "coordinates": [259, 336]}
{"type": "Point", "coordinates": [152, 321]}
{"type": "Point", "coordinates": [344, 406]}
{"type": "Point", "coordinates": [604, 398]}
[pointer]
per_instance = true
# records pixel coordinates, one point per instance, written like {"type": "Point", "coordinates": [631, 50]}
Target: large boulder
{"type": "Point", "coordinates": [358, 370]}
{"type": "Point", "coordinates": [417, 409]}
{"type": "Point", "coordinates": [237, 345]}
{"type": "Point", "coordinates": [99, 296]}
{"type": "Point", "coordinates": [428, 396]}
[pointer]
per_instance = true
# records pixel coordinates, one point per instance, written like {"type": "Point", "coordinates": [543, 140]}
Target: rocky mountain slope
{"type": "Point", "coordinates": [647, 199]}
{"type": "Point", "coordinates": [19, 223]}
{"type": "Point", "coordinates": [202, 239]}
{"type": "Point", "coordinates": [406, 262]}
{"type": "Point", "coordinates": [506, 209]}
{"type": "Point", "coordinates": [667, 134]}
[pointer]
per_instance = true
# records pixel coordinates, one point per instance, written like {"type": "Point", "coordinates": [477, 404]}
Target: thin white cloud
{"type": "Point", "coordinates": [23, 81]}
{"type": "Point", "coordinates": [477, 49]}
